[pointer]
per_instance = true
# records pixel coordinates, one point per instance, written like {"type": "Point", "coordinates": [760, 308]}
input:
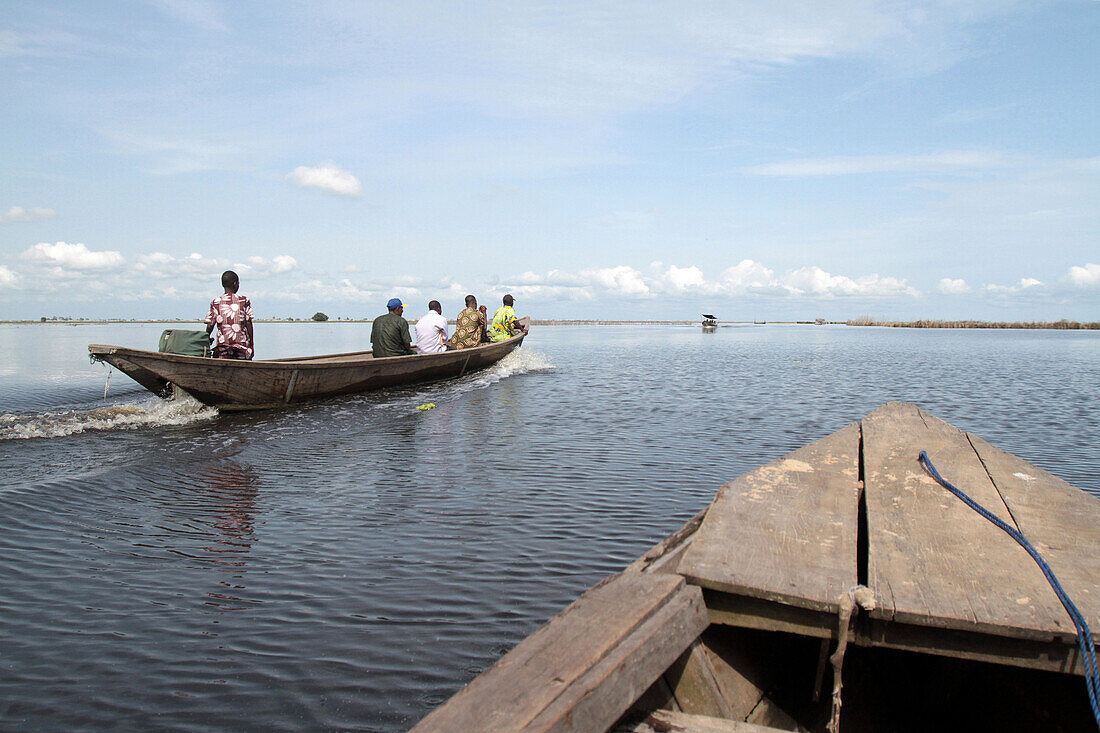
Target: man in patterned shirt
{"type": "Point", "coordinates": [232, 314]}
{"type": "Point", "coordinates": [469, 326]}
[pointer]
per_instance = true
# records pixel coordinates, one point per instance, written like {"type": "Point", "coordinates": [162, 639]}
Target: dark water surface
{"type": "Point", "coordinates": [351, 563]}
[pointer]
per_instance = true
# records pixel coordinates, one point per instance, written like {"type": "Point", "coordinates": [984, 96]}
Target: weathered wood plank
{"type": "Point", "coordinates": [1060, 520]}
{"type": "Point", "coordinates": [1051, 656]}
{"type": "Point", "coordinates": [531, 676]}
{"type": "Point", "coordinates": [768, 713]}
{"type": "Point", "coordinates": [933, 561]}
{"type": "Point", "coordinates": [693, 683]}
{"type": "Point", "coordinates": [666, 721]}
{"type": "Point", "coordinates": [658, 697]}
{"type": "Point", "coordinates": [785, 532]}
{"type": "Point", "coordinates": [665, 555]}
{"type": "Point", "coordinates": [740, 672]}
{"type": "Point", "coordinates": [754, 613]}
{"type": "Point", "coordinates": [600, 696]}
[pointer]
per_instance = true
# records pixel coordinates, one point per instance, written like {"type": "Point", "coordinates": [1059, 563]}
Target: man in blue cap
{"type": "Point", "coordinates": [390, 333]}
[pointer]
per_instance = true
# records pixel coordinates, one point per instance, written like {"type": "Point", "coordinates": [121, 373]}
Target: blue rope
{"type": "Point", "coordinates": [1084, 636]}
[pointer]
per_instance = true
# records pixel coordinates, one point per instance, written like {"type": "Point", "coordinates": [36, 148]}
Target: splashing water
{"type": "Point", "coordinates": [520, 361]}
{"type": "Point", "coordinates": [180, 410]}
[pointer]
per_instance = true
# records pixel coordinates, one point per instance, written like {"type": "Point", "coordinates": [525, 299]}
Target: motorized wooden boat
{"type": "Point", "coordinates": [710, 322]}
{"type": "Point", "coordinates": [229, 384]}
{"type": "Point", "coordinates": [839, 587]}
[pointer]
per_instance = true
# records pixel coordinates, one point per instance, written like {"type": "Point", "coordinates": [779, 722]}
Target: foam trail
{"type": "Point", "coordinates": [520, 361]}
{"type": "Point", "coordinates": [181, 410]}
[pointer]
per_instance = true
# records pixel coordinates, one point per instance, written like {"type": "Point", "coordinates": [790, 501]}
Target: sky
{"type": "Point", "coordinates": [778, 160]}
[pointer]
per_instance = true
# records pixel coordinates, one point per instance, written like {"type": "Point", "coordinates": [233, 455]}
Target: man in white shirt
{"type": "Point", "coordinates": [431, 330]}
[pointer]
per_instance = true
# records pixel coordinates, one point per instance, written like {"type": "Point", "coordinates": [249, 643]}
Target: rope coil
{"type": "Point", "coordinates": [1084, 635]}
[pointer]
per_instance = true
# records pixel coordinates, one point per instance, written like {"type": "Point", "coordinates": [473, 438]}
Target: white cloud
{"type": "Point", "coordinates": [680, 279]}
{"type": "Point", "coordinates": [72, 256]}
{"type": "Point", "coordinates": [950, 286]}
{"type": "Point", "coordinates": [1025, 283]}
{"type": "Point", "coordinates": [327, 177]}
{"type": "Point", "coordinates": [20, 214]}
{"type": "Point", "coordinates": [1085, 277]}
{"type": "Point", "coordinates": [416, 292]}
{"type": "Point", "coordinates": [614, 57]}
{"type": "Point", "coordinates": [623, 280]}
{"type": "Point", "coordinates": [954, 161]}
{"type": "Point", "coordinates": [162, 266]}
{"type": "Point", "coordinates": [8, 278]}
{"type": "Point", "coordinates": [747, 276]}
{"type": "Point", "coordinates": [275, 266]}
{"type": "Point", "coordinates": [815, 281]}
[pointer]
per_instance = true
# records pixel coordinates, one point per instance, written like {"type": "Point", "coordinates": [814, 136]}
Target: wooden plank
{"type": "Point", "coordinates": [769, 714]}
{"type": "Point", "coordinates": [665, 555]}
{"type": "Point", "coordinates": [785, 532]}
{"type": "Point", "coordinates": [531, 676]}
{"type": "Point", "coordinates": [600, 696]}
{"type": "Point", "coordinates": [933, 561]}
{"type": "Point", "coordinates": [658, 697]}
{"type": "Point", "coordinates": [1060, 520]}
{"type": "Point", "coordinates": [753, 613]}
{"type": "Point", "coordinates": [1051, 656]}
{"type": "Point", "coordinates": [666, 721]}
{"type": "Point", "coordinates": [740, 673]}
{"type": "Point", "coordinates": [693, 683]}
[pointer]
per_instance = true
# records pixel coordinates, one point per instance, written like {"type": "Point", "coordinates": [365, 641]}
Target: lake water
{"type": "Point", "coordinates": [352, 563]}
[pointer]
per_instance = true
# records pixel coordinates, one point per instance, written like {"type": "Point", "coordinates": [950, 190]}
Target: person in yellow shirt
{"type": "Point", "coordinates": [505, 323]}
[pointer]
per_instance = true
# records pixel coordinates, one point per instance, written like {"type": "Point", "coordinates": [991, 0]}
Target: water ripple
{"type": "Point", "coordinates": [350, 563]}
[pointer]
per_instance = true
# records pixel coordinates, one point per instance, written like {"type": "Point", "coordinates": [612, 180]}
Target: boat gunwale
{"type": "Point", "coordinates": [101, 351]}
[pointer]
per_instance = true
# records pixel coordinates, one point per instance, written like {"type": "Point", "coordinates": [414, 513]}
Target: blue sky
{"type": "Point", "coordinates": [779, 160]}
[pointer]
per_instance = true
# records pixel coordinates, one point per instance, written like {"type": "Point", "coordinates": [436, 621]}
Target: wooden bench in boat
{"type": "Point", "coordinates": [727, 624]}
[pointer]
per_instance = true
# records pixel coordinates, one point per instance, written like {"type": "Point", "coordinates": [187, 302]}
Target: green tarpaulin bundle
{"type": "Point", "coordinates": [187, 343]}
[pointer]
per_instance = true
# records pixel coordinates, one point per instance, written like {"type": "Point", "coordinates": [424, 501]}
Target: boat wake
{"type": "Point", "coordinates": [520, 361]}
{"type": "Point", "coordinates": [181, 410]}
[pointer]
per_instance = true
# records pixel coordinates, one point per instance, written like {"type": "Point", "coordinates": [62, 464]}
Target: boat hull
{"type": "Point", "coordinates": [229, 384]}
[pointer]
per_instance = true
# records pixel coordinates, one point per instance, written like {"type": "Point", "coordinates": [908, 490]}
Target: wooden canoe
{"type": "Point", "coordinates": [730, 624]}
{"type": "Point", "coordinates": [229, 384]}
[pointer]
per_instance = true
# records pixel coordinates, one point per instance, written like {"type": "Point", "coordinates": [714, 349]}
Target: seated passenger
{"type": "Point", "coordinates": [232, 314]}
{"type": "Point", "coordinates": [431, 330]}
{"type": "Point", "coordinates": [469, 326]}
{"type": "Point", "coordinates": [389, 336]}
{"type": "Point", "coordinates": [505, 323]}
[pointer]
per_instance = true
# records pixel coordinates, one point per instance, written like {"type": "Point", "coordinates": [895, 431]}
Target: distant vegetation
{"type": "Point", "coordinates": [1062, 325]}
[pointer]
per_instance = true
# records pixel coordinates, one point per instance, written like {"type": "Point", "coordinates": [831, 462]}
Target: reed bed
{"type": "Point", "coordinates": [1061, 325]}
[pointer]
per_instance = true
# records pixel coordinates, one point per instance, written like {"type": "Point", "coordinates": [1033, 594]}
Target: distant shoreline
{"type": "Point", "coordinates": [1060, 325]}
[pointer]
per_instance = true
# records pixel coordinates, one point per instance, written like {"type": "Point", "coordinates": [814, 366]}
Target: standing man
{"type": "Point", "coordinates": [505, 323]}
{"type": "Point", "coordinates": [469, 326]}
{"type": "Point", "coordinates": [232, 314]}
{"type": "Point", "coordinates": [389, 336]}
{"type": "Point", "coordinates": [431, 330]}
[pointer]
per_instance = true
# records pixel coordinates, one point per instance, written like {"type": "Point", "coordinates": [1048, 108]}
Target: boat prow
{"type": "Point", "coordinates": [844, 548]}
{"type": "Point", "coordinates": [229, 384]}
